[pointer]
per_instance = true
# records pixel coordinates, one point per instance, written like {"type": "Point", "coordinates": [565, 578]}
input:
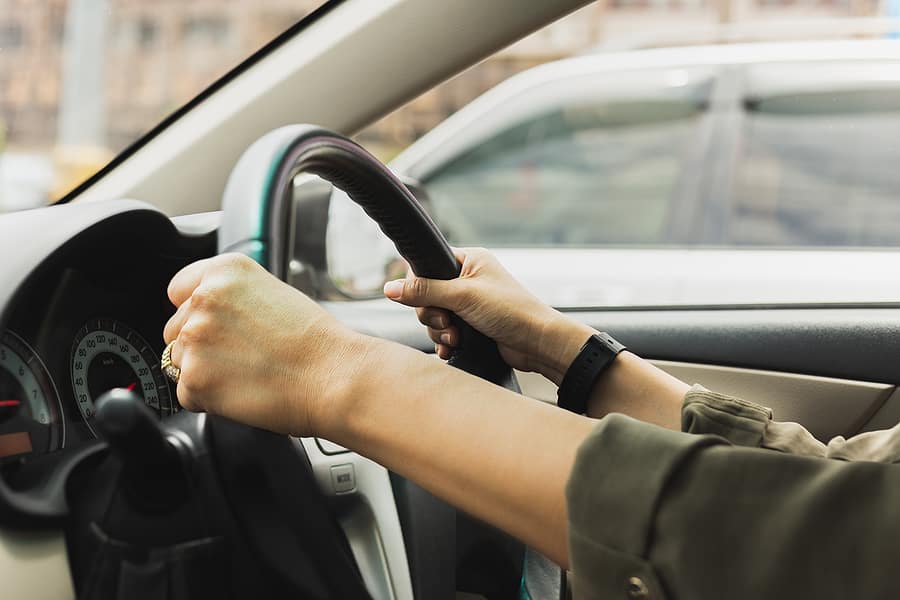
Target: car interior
{"type": "Point", "coordinates": [143, 500]}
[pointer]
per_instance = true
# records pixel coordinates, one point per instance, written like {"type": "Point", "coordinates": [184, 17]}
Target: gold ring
{"type": "Point", "coordinates": [170, 370]}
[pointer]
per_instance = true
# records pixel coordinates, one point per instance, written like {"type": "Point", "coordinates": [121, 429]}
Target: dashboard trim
{"type": "Point", "coordinates": [41, 240]}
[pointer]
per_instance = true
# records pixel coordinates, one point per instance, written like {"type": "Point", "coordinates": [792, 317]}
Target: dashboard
{"type": "Point", "coordinates": [82, 307]}
{"type": "Point", "coordinates": [88, 318]}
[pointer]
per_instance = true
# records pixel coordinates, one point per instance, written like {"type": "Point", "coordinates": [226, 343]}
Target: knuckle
{"type": "Point", "coordinates": [192, 386]}
{"type": "Point", "coordinates": [465, 294]}
{"type": "Point", "coordinates": [205, 298]}
{"type": "Point", "coordinates": [418, 287]}
{"type": "Point", "coordinates": [238, 262]}
{"type": "Point", "coordinates": [194, 382]}
{"type": "Point", "coordinates": [169, 333]}
{"type": "Point", "coordinates": [483, 256]}
{"type": "Point", "coordinates": [195, 332]}
{"type": "Point", "coordinates": [170, 290]}
{"type": "Point", "coordinates": [436, 318]}
{"type": "Point", "coordinates": [185, 398]}
{"type": "Point", "coordinates": [169, 330]}
{"type": "Point", "coordinates": [477, 254]}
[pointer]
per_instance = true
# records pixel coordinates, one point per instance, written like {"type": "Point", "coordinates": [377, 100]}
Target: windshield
{"type": "Point", "coordinates": [81, 80]}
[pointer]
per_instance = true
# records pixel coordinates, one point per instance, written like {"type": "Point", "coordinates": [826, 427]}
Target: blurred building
{"type": "Point", "coordinates": [159, 55]}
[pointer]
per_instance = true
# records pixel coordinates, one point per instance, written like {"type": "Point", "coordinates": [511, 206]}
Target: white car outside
{"type": "Point", "coordinates": [693, 271]}
{"type": "Point", "coordinates": [769, 168]}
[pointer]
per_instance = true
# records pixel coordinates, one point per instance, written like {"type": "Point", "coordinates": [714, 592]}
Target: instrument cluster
{"type": "Point", "coordinates": [72, 336]}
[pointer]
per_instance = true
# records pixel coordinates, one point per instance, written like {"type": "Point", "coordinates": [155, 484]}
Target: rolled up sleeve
{"type": "Point", "coordinates": [740, 422]}
{"type": "Point", "coordinates": [613, 493]}
{"type": "Point", "coordinates": [746, 423]}
{"type": "Point", "coordinates": [657, 514]}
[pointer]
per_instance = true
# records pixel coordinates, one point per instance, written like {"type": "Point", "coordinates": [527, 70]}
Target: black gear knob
{"type": "Point", "coordinates": [131, 429]}
{"type": "Point", "coordinates": [152, 471]}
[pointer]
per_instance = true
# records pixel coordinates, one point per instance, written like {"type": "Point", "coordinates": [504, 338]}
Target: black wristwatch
{"type": "Point", "coordinates": [593, 358]}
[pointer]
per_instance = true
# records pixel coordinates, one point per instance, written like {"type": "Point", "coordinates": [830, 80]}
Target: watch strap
{"type": "Point", "coordinates": [595, 356]}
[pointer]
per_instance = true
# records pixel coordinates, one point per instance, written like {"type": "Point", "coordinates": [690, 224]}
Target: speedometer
{"type": "Point", "coordinates": [108, 354]}
{"type": "Point", "coordinates": [30, 414]}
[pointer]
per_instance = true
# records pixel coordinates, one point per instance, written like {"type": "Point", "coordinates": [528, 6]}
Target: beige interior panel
{"type": "Point", "coordinates": [826, 406]}
{"type": "Point", "coordinates": [887, 416]}
{"type": "Point", "coordinates": [537, 386]}
{"type": "Point", "coordinates": [34, 565]}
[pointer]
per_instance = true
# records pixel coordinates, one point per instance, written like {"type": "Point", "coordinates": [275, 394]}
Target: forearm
{"type": "Point", "coordinates": [630, 385]}
{"type": "Point", "coordinates": [493, 453]}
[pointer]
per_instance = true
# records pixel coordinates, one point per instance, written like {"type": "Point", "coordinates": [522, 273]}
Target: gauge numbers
{"type": "Point", "coordinates": [108, 354]}
{"type": "Point", "coordinates": [30, 413]}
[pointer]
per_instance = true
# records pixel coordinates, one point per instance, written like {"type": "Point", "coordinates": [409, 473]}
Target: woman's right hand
{"type": "Point", "coordinates": [530, 335]}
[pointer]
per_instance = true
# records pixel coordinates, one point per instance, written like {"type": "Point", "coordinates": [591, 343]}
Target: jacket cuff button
{"type": "Point", "coordinates": [636, 589]}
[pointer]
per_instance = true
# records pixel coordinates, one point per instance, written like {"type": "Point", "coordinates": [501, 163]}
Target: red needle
{"type": "Point", "coordinates": [8, 403]}
{"type": "Point", "coordinates": [130, 388]}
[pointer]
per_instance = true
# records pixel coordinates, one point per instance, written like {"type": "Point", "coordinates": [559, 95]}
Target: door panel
{"type": "Point", "coordinates": [887, 416]}
{"type": "Point", "coordinates": [829, 368]}
{"type": "Point", "coordinates": [842, 342]}
{"type": "Point", "coordinates": [832, 369]}
{"type": "Point", "coordinates": [826, 406]}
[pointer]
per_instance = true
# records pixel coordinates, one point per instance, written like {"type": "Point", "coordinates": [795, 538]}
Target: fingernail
{"type": "Point", "coordinates": [445, 339]}
{"type": "Point", "coordinates": [393, 289]}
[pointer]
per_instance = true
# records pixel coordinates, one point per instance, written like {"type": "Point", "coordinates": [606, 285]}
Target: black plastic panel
{"type": "Point", "coordinates": [847, 343]}
{"type": "Point", "coordinates": [844, 342]}
{"type": "Point", "coordinates": [65, 264]}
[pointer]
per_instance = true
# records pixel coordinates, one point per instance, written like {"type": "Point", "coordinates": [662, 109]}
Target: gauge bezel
{"type": "Point", "coordinates": [165, 403]}
{"type": "Point", "coordinates": [41, 373]}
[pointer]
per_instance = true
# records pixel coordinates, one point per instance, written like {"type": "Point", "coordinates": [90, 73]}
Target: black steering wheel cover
{"type": "Point", "coordinates": [371, 185]}
{"type": "Point", "coordinates": [392, 206]}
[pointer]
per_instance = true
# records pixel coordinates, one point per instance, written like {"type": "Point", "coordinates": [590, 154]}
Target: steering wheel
{"type": "Point", "coordinates": [257, 218]}
{"type": "Point", "coordinates": [257, 221]}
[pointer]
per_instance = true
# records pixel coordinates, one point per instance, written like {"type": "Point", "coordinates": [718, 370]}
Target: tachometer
{"type": "Point", "coordinates": [108, 354]}
{"type": "Point", "coordinates": [30, 412]}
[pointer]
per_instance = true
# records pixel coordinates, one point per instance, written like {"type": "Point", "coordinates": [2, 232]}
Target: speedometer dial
{"type": "Point", "coordinates": [30, 414]}
{"type": "Point", "coordinates": [108, 354]}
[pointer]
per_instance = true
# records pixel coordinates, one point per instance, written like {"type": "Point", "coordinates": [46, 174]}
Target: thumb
{"type": "Point", "coordinates": [420, 291]}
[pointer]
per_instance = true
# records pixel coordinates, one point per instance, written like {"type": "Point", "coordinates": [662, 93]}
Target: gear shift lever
{"type": "Point", "coordinates": [135, 436]}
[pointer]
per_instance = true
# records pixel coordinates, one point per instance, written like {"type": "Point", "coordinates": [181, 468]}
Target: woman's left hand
{"type": "Point", "coordinates": [254, 349]}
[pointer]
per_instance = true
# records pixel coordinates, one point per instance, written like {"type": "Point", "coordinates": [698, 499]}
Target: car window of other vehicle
{"type": "Point", "coordinates": [817, 165]}
{"type": "Point", "coordinates": [580, 175]}
{"type": "Point", "coordinates": [598, 170]}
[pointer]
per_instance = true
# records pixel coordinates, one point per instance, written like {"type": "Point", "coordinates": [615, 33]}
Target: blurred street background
{"type": "Point", "coordinates": [82, 79]}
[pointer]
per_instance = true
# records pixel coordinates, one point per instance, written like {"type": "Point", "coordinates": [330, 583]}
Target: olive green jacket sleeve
{"type": "Point", "coordinates": [738, 507]}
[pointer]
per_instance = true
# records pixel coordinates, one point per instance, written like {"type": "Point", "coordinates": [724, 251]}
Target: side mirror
{"type": "Point", "coordinates": [339, 253]}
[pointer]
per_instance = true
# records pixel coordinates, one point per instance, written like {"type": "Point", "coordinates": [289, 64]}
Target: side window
{"type": "Point", "coordinates": [604, 172]}
{"type": "Point", "coordinates": [819, 169]}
